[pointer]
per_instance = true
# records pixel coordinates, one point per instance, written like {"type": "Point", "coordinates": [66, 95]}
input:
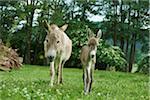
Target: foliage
{"type": "Point", "coordinates": [125, 23]}
{"type": "Point", "coordinates": [32, 82]}
{"type": "Point", "coordinates": [7, 15]}
{"type": "Point", "coordinates": [144, 40]}
{"type": "Point", "coordinates": [143, 65]}
{"type": "Point", "coordinates": [111, 55]}
{"type": "Point", "coordinates": [78, 33]}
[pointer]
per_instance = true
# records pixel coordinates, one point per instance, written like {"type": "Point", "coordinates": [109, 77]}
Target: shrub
{"type": "Point", "coordinates": [143, 65]}
{"type": "Point", "coordinates": [112, 56]}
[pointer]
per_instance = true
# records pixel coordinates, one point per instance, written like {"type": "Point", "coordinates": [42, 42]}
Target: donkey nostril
{"type": "Point", "coordinates": [92, 56]}
{"type": "Point", "coordinates": [51, 58]}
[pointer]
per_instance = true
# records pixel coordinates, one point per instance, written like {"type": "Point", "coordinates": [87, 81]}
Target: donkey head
{"type": "Point", "coordinates": [54, 40]}
{"type": "Point", "coordinates": [93, 42]}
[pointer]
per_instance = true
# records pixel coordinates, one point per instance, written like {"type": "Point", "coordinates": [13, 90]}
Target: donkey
{"type": "Point", "coordinates": [58, 48]}
{"type": "Point", "coordinates": [88, 59]}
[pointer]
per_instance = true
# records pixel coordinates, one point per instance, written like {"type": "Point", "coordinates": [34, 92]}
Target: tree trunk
{"type": "Point", "coordinates": [122, 29]}
{"type": "Point", "coordinates": [126, 53]}
{"type": "Point", "coordinates": [133, 45]}
{"type": "Point", "coordinates": [28, 58]}
{"type": "Point", "coordinates": [114, 26]}
{"type": "Point", "coordinates": [29, 19]}
{"type": "Point", "coordinates": [132, 52]}
{"type": "Point", "coordinates": [72, 11]}
{"type": "Point", "coordinates": [83, 12]}
{"type": "Point", "coordinates": [115, 38]}
{"type": "Point", "coordinates": [121, 43]}
{"type": "Point", "coordinates": [127, 38]}
{"type": "Point", "coordinates": [35, 56]}
{"type": "Point", "coordinates": [127, 45]}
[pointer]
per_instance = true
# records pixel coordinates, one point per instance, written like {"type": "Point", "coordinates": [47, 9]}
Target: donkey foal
{"type": "Point", "coordinates": [88, 60]}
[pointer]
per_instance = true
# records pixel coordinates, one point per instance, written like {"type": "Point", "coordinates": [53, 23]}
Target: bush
{"type": "Point", "coordinates": [112, 56]}
{"type": "Point", "coordinates": [78, 35]}
{"type": "Point", "coordinates": [143, 65]}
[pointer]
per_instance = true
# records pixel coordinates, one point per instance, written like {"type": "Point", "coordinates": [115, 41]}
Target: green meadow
{"type": "Point", "coordinates": [32, 83]}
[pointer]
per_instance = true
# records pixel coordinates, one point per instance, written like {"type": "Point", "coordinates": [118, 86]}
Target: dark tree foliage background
{"type": "Point", "coordinates": [125, 29]}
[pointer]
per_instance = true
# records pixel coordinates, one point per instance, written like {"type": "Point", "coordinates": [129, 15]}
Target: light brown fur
{"type": "Point", "coordinates": [58, 48]}
{"type": "Point", "coordinates": [88, 60]}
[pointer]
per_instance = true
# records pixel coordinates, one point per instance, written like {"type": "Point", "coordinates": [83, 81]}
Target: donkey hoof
{"type": "Point", "coordinates": [85, 93]}
{"type": "Point", "coordinates": [61, 83]}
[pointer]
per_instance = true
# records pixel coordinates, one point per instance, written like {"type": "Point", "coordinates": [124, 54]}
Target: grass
{"type": "Point", "coordinates": [32, 83]}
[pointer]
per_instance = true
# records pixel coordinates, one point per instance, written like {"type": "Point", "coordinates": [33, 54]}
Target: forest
{"type": "Point", "coordinates": [124, 24]}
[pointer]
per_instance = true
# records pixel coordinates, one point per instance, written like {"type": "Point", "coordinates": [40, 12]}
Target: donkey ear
{"type": "Point", "coordinates": [64, 27]}
{"type": "Point", "coordinates": [46, 25]}
{"type": "Point", "coordinates": [99, 34]}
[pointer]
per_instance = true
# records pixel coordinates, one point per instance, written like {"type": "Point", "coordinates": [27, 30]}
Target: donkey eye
{"type": "Point", "coordinates": [46, 40]}
{"type": "Point", "coordinates": [57, 41]}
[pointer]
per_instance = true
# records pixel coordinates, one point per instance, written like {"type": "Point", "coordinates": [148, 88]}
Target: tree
{"type": "Point", "coordinates": [7, 16]}
{"type": "Point", "coordinates": [126, 25]}
{"type": "Point", "coordinates": [140, 9]}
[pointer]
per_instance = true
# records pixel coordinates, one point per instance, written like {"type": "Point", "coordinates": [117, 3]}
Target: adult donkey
{"type": "Point", "coordinates": [88, 59]}
{"type": "Point", "coordinates": [58, 48]}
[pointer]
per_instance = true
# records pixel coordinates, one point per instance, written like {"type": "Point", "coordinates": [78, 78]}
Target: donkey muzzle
{"type": "Point", "coordinates": [51, 58]}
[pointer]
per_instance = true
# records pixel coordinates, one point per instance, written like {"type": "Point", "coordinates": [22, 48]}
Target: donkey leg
{"type": "Point", "coordinates": [52, 73]}
{"type": "Point", "coordinates": [91, 75]}
{"type": "Point", "coordinates": [59, 73]}
{"type": "Point", "coordinates": [85, 79]}
{"type": "Point", "coordinates": [89, 80]}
